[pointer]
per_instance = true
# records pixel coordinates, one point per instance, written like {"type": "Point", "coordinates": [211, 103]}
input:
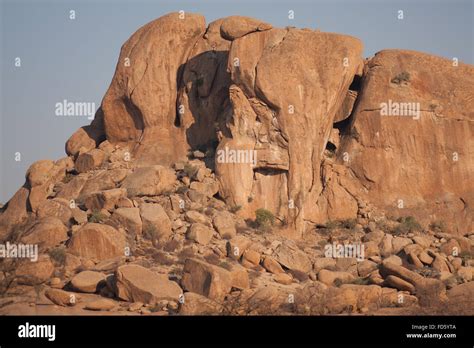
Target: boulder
{"type": "Point", "coordinates": [205, 279]}
{"type": "Point", "coordinates": [234, 27]}
{"type": "Point", "coordinates": [129, 219]}
{"type": "Point", "coordinates": [107, 199]}
{"type": "Point", "coordinates": [144, 108]}
{"type": "Point", "coordinates": [329, 277]}
{"type": "Point", "coordinates": [236, 246]}
{"type": "Point", "coordinates": [34, 272]}
{"type": "Point", "coordinates": [90, 160]}
{"type": "Point", "coordinates": [200, 233]}
{"type": "Point", "coordinates": [293, 258]}
{"type": "Point", "coordinates": [48, 233]}
{"type": "Point", "coordinates": [155, 221]}
{"type": "Point", "coordinates": [135, 283]}
{"type": "Point", "coordinates": [61, 297]}
{"type": "Point", "coordinates": [195, 304]}
{"type": "Point", "coordinates": [271, 265]}
{"type": "Point", "coordinates": [87, 281]}
{"type": "Point", "coordinates": [58, 208]}
{"type": "Point", "coordinates": [97, 241]}
{"type": "Point", "coordinates": [102, 304]}
{"type": "Point", "coordinates": [225, 224]}
{"type": "Point", "coordinates": [149, 181]}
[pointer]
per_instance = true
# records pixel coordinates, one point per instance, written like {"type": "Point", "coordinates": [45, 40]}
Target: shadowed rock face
{"type": "Point", "coordinates": [304, 111]}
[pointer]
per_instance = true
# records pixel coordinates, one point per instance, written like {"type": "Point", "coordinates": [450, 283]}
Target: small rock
{"type": "Point", "coordinates": [102, 304]}
{"type": "Point", "coordinates": [283, 278]}
{"type": "Point", "coordinates": [200, 233]}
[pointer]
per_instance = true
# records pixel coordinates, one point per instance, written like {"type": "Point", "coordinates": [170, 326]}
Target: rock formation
{"type": "Point", "coordinates": [225, 161]}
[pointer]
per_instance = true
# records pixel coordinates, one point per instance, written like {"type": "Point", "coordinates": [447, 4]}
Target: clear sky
{"type": "Point", "coordinates": [75, 59]}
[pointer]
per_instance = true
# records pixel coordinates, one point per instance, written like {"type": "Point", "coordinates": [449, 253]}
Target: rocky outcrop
{"type": "Point", "coordinates": [236, 169]}
{"type": "Point", "coordinates": [410, 137]}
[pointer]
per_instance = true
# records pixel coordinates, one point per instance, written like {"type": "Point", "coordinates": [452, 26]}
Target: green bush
{"type": "Point", "coordinates": [264, 218]}
{"type": "Point", "coordinates": [407, 224]}
{"type": "Point", "coordinates": [438, 225]}
{"type": "Point", "coordinates": [97, 217]}
{"type": "Point", "coordinates": [58, 254]}
{"type": "Point", "coordinates": [150, 232]}
{"type": "Point", "coordinates": [402, 77]}
{"type": "Point", "coordinates": [235, 209]}
{"type": "Point", "coordinates": [349, 223]}
{"type": "Point", "coordinates": [68, 177]}
{"type": "Point", "coordinates": [190, 170]}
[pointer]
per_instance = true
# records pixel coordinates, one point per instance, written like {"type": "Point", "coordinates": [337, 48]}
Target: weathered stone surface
{"type": "Point", "coordinates": [107, 199]}
{"type": "Point", "coordinates": [155, 221]}
{"type": "Point", "coordinates": [90, 160]}
{"type": "Point", "coordinates": [140, 103]}
{"type": "Point", "coordinates": [87, 281]}
{"type": "Point", "coordinates": [129, 219]}
{"type": "Point", "coordinates": [271, 265]}
{"type": "Point", "coordinates": [237, 246]}
{"type": "Point", "coordinates": [400, 284]}
{"type": "Point", "coordinates": [48, 232]}
{"type": "Point", "coordinates": [102, 304]}
{"type": "Point", "coordinates": [444, 126]}
{"type": "Point", "coordinates": [293, 258]}
{"type": "Point", "coordinates": [195, 304]}
{"type": "Point", "coordinates": [234, 27]}
{"type": "Point", "coordinates": [329, 277]}
{"type": "Point", "coordinates": [35, 272]}
{"type": "Point", "coordinates": [88, 137]}
{"type": "Point", "coordinates": [225, 224]}
{"type": "Point", "coordinates": [61, 297]}
{"type": "Point", "coordinates": [208, 280]}
{"type": "Point", "coordinates": [56, 207]}
{"type": "Point", "coordinates": [281, 113]}
{"type": "Point", "coordinates": [97, 241]}
{"type": "Point", "coordinates": [135, 283]}
{"type": "Point", "coordinates": [200, 233]}
{"type": "Point", "coordinates": [149, 181]}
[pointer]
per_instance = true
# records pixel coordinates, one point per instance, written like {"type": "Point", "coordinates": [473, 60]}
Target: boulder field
{"type": "Point", "coordinates": [227, 160]}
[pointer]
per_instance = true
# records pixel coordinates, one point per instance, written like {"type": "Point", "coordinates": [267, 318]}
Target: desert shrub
{"type": "Point", "coordinates": [58, 254]}
{"type": "Point", "coordinates": [349, 224]}
{"type": "Point", "coordinates": [162, 258]}
{"type": "Point", "coordinates": [264, 218]}
{"type": "Point", "coordinates": [361, 281]}
{"type": "Point", "coordinates": [401, 77]}
{"type": "Point", "coordinates": [97, 217]}
{"type": "Point", "coordinates": [407, 224]}
{"type": "Point", "coordinates": [465, 256]}
{"type": "Point", "coordinates": [438, 226]}
{"type": "Point", "coordinates": [235, 208]}
{"type": "Point", "coordinates": [331, 225]}
{"type": "Point", "coordinates": [150, 232]}
{"type": "Point", "coordinates": [68, 177]}
{"type": "Point", "coordinates": [190, 170]}
{"type": "Point", "coordinates": [182, 190]}
{"type": "Point", "coordinates": [226, 265]}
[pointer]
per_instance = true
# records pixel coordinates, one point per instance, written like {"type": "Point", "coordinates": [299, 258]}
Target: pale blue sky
{"type": "Point", "coordinates": [75, 59]}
